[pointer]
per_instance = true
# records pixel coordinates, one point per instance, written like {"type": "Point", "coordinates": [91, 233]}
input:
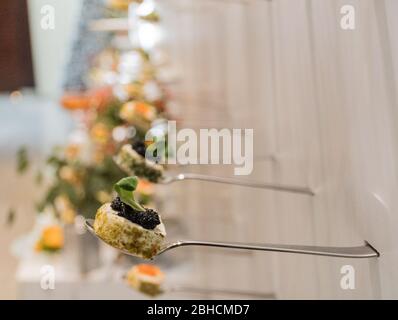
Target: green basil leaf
{"type": "Point", "coordinates": [125, 189]}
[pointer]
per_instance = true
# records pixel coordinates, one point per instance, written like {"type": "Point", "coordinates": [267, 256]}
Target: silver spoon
{"type": "Point", "coordinates": [232, 181]}
{"type": "Point", "coordinates": [365, 251]}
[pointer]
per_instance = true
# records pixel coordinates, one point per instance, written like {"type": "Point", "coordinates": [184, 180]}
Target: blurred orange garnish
{"type": "Point", "coordinates": [149, 270]}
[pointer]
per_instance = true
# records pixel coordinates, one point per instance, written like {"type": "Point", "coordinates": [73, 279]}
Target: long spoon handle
{"type": "Point", "coordinates": [365, 251]}
{"type": "Point", "coordinates": [240, 182]}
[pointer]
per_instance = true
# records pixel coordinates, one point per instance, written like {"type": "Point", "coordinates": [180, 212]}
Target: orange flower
{"type": "Point", "coordinates": [144, 109]}
{"type": "Point", "coordinates": [136, 111]}
{"type": "Point", "coordinates": [75, 101]}
{"type": "Point", "coordinates": [97, 99]}
{"type": "Point", "coordinates": [52, 238]}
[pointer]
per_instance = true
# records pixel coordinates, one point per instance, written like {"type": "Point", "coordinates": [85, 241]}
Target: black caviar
{"type": "Point", "coordinates": [147, 219]}
{"type": "Point", "coordinates": [118, 205]}
{"type": "Point", "coordinates": [139, 147]}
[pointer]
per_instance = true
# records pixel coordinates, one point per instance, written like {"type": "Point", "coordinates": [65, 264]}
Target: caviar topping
{"type": "Point", "coordinates": [147, 219]}
{"type": "Point", "coordinates": [140, 148]}
{"type": "Point", "coordinates": [117, 205]}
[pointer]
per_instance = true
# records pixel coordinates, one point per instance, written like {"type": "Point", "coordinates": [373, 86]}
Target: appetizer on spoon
{"type": "Point", "coordinates": [131, 159]}
{"type": "Point", "coordinates": [126, 225]}
{"type": "Point", "coordinates": [365, 251]}
{"type": "Point", "coordinates": [138, 231]}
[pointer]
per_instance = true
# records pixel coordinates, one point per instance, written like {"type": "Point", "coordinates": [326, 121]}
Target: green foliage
{"type": "Point", "coordinates": [84, 196]}
{"type": "Point", "coordinates": [86, 185]}
{"type": "Point", "coordinates": [39, 177]}
{"type": "Point", "coordinates": [22, 160]}
{"type": "Point", "coordinates": [110, 116]}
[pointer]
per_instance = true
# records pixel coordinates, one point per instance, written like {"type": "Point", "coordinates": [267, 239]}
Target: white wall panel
{"type": "Point", "coordinates": [323, 103]}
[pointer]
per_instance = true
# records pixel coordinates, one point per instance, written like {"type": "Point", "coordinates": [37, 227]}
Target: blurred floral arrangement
{"type": "Point", "coordinates": [79, 176]}
{"type": "Point", "coordinates": [51, 239]}
{"type": "Point", "coordinates": [116, 8]}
